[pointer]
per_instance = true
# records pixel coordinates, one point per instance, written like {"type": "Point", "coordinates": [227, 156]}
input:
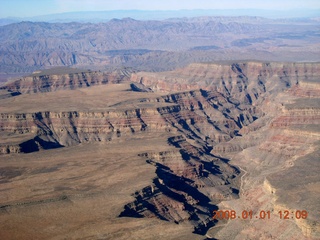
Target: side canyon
{"type": "Point", "coordinates": [141, 151]}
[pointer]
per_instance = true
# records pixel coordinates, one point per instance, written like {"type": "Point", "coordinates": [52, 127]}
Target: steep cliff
{"type": "Point", "coordinates": [207, 118]}
{"type": "Point", "coordinates": [279, 154]}
{"type": "Point", "coordinates": [215, 118]}
{"type": "Point", "coordinates": [233, 79]}
{"type": "Point", "coordinates": [64, 78]}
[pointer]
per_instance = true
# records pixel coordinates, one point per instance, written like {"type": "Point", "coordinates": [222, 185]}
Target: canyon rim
{"type": "Point", "coordinates": [182, 128]}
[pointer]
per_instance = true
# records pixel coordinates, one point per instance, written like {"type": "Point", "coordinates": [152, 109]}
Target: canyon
{"type": "Point", "coordinates": [123, 153]}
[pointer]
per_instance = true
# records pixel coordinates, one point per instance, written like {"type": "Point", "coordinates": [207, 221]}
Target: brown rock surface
{"type": "Point", "coordinates": [210, 136]}
{"type": "Point", "coordinates": [64, 78]}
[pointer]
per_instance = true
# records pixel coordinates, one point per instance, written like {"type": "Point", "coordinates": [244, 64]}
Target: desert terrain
{"type": "Point", "coordinates": [203, 127]}
{"type": "Point", "coordinates": [154, 45]}
{"type": "Point", "coordinates": [123, 154]}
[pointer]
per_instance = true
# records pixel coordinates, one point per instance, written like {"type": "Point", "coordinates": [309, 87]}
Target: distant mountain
{"type": "Point", "coordinates": [155, 45]}
{"type": "Point", "coordinates": [103, 16]}
{"type": "Point", "coordinates": [6, 21]}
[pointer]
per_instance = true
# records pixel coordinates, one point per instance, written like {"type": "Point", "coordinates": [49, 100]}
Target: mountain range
{"type": "Point", "coordinates": [103, 16]}
{"type": "Point", "coordinates": [155, 45]}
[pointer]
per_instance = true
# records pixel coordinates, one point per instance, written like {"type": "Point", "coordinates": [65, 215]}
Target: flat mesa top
{"type": "Point", "coordinates": [304, 103]}
{"type": "Point", "coordinates": [58, 70]}
{"type": "Point", "coordinates": [96, 98]}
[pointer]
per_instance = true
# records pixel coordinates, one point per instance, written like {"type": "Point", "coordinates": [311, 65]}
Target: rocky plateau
{"type": "Point", "coordinates": [124, 154]}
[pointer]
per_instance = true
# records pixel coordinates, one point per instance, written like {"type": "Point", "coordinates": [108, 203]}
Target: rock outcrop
{"type": "Point", "coordinates": [212, 113]}
{"type": "Point", "coordinates": [189, 183]}
{"type": "Point", "coordinates": [53, 80]}
{"type": "Point", "coordinates": [236, 79]}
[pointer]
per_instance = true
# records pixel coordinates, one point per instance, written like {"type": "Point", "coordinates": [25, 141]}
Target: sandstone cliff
{"type": "Point", "coordinates": [233, 79]}
{"type": "Point", "coordinates": [53, 80]}
{"type": "Point", "coordinates": [212, 113]}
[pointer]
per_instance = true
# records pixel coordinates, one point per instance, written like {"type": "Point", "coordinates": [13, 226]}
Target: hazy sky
{"type": "Point", "coordinates": [28, 8]}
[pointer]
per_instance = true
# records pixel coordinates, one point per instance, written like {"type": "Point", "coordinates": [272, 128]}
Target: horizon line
{"type": "Point", "coordinates": [173, 10]}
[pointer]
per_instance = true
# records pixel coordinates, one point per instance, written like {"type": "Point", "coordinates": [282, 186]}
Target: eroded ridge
{"type": "Point", "coordinates": [189, 183]}
{"type": "Point", "coordinates": [233, 131]}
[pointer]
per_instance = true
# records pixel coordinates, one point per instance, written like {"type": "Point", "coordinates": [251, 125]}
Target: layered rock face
{"type": "Point", "coordinates": [191, 113]}
{"type": "Point", "coordinates": [189, 183]}
{"type": "Point", "coordinates": [212, 113]}
{"type": "Point", "coordinates": [232, 79]}
{"type": "Point", "coordinates": [53, 80]}
{"type": "Point", "coordinates": [295, 140]}
{"type": "Point", "coordinates": [69, 128]}
{"type": "Point", "coordinates": [279, 150]}
{"type": "Point", "coordinates": [286, 131]}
